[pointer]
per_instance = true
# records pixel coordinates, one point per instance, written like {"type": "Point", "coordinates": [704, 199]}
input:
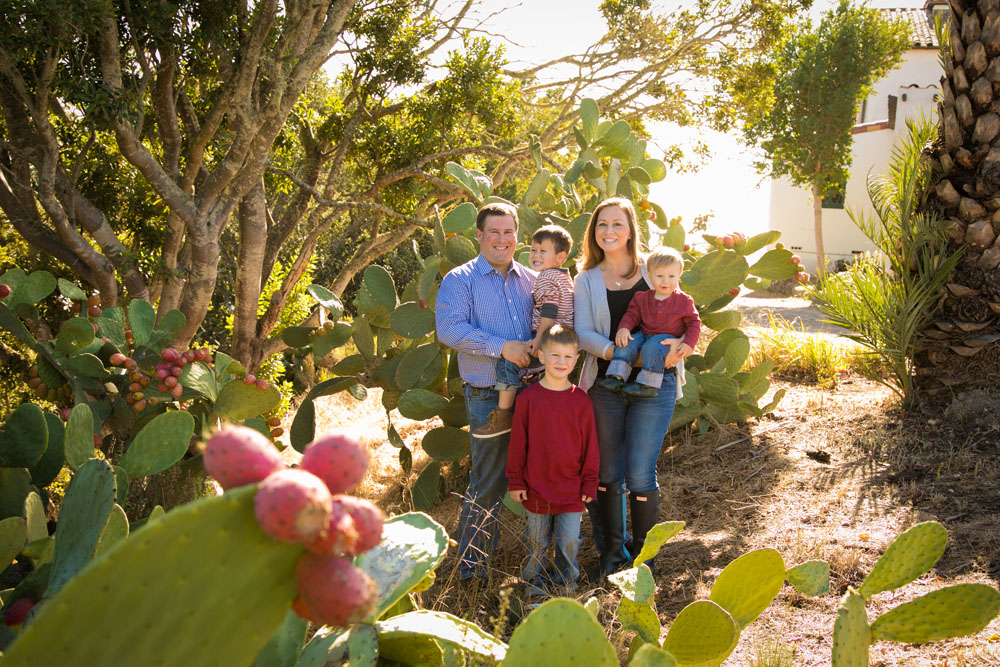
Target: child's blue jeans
{"type": "Point", "coordinates": [509, 373]}
{"type": "Point", "coordinates": [564, 531]}
{"type": "Point", "coordinates": [654, 356]}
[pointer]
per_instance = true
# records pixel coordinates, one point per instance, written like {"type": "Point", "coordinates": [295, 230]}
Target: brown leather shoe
{"type": "Point", "coordinates": [498, 422]}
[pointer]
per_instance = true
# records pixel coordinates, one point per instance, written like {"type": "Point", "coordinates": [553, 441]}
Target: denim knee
{"type": "Point", "coordinates": [508, 375]}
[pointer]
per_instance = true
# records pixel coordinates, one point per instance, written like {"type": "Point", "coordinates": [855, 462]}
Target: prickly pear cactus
{"type": "Point", "coordinates": [649, 655]}
{"type": "Point", "coordinates": [423, 631]}
{"type": "Point", "coordinates": [810, 578]}
{"type": "Point", "coordinates": [954, 611]}
{"type": "Point", "coordinates": [851, 632]}
{"type": "Point", "coordinates": [747, 586]}
{"type": "Point", "coordinates": [637, 608]}
{"type": "Point", "coordinates": [702, 633]}
{"type": "Point", "coordinates": [910, 555]}
{"type": "Point", "coordinates": [193, 561]}
{"type": "Point", "coordinates": [561, 632]}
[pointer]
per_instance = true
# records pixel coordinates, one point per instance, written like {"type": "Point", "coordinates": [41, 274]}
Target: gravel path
{"type": "Point", "coordinates": [757, 306]}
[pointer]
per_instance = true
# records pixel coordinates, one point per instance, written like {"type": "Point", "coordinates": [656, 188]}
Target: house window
{"type": "Point", "coordinates": [862, 110]}
{"type": "Point", "coordinates": [835, 198]}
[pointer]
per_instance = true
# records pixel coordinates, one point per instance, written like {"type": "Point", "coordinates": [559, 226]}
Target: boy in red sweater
{"type": "Point", "coordinates": [666, 317]}
{"type": "Point", "coordinates": [552, 462]}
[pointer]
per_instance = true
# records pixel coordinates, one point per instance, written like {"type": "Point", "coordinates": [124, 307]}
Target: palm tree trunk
{"type": "Point", "coordinates": [963, 352]}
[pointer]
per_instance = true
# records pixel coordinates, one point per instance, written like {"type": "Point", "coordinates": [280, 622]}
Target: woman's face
{"type": "Point", "coordinates": [612, 231]}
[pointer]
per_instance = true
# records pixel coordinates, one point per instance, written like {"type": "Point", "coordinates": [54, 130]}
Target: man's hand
{"type": "Point", "coordinates": [677, 352]}
{"type": "Point", "coordinates": [519, 496]}
{"type": "Point", "coordinates": [585, 498]}
{"type": "Point", "coordinates": [516, 351]}
{"type": "Point", "coordinates": [623, 337]}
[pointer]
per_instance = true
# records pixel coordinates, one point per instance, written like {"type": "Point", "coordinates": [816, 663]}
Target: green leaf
{"type": "Point", "coordinates": [459, 250]}
{"type": "Point", "coordinates": [810, 578]}
{"type": "Point", "coordinates": [639, 175]}
{"type": "Point", "coordinates": [75, 334]}
{"type": "Point", "coordinates": [954, 611]}
{"type": "Point", "coordinates": [171, 324]}
{"type": "Point", "coordinates": [413, 364]}
{"type": "Point", "coordinates": [446, 443]}
{"type": "Point", "coordinates": [79, 441]}
{"type": "Point", "coordinates": [198, 377]}
{"type": "Point", "coordinates": [421, 404]}
{"type": "Point", "coordinates": [537, 186]}
{"type": "Point", "coordinates": [160, 444]}
{"type": "Point", "coordinates": [33, 288]}
{"type": "Point", "coordinates": [47, 468]}
{"type": "Point", "coordinates": [655, 168]}
{"type": "Point", "coordinates": [331, 339]}
{"type": "Point", "coordinates": [775, 265]}
{"type": "Point", "coordinates": [657, 536]}
{"type": "Point", "coordinates": [24, 439]}
{"type": "Point", "coordinates": [13, 536]}
{"type": "Point", "coordinates": [70, 290]}
{"type": "Point", "coordinates": [297, 336]}
{"type": "Point", "coordinates": [141, 318]}
{"type": "Point", "coordinates": [460, 219]}
{"type": "Point", "coordinates": [351, 365]}
{"type": "Point", "coordinates": [758, 241]}
{"type": "Point", "coordinates": [614, 137]}
{"type": "Point", "coordinates": [406, 459]}
{"type": "Point", "coordinates": [111, 325]}
{"type": "Point", "coordinates": [380, 286]}
{"type": "Point", "coordinates": [464, 178]}
{"type": "Point", "coordinates": [87, 365]}
{"type": "Point", "coordinates": [327, 299]}
{"type": "Point", "coordinates": [713, 275]}
{"type": "Point", "coordinates": [718, 388]}
{"type": "Point", "coordinates": [363, 338]}
{"type": "Point", "coordinates": [747, 586]}
{"type": "Point", "coordinates": [303, 428]}
{"type": "Point", "coordinates": [733, 346]}
{"type": "Point", "coordinates": [589, 115]}
{"type": "Point", "coordinates": [427, 488]}
{"type": "Point", "coordinates": [411, 320]}
{"type": "Point", "coordinates": [331, 387]}
{"type": "Point", "coordinates": [238, 402]}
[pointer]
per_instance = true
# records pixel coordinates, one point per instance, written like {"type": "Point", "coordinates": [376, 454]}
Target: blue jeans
{"type": "Point", "coordinates": [630, 434]}
{"type": "Point", "coordinates": [564, 530]}
{"type": "Point", "coordinates": [509, 374]}
{"type": "Point", "coordinates": [478, 527]}
{"type": "Point", "coordinates": [654, 355]}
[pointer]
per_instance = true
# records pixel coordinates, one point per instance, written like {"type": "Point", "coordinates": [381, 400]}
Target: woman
{"type": "Point", "coordinates": [630, 430]}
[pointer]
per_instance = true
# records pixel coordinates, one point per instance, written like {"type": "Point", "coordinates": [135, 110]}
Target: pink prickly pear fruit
{"type": "Point", "coordinates": [299, 607]}
{"type": "Point", "coordinates": [117, 359]}
{"type": "Point", "coordinates": [368, 520]}
{"type": "Point", "coordinates": [4, 291]}
{"type": "Point", "coordinates": [293, 505]}
{"type": "Point", "coordinates": [337, 459]}
{"type": "Point", "coordinates": [735, 291]}
{"type": "Point", "coordinates": [170, 355]}
{"type": "Point", "coordinates": [262, 384]}
{"type": "Point", "coordinates": [18, 612]}
{"type": "Point", "coordinates": [796, 260]}
{"type": "Point", "coordinates": [333, 591]}
{"type": "Point", "coordinates": [340, 536]}
{"type": "Point", "coordinates": [249, 379]}
{"type": "Point", "coordinates": [238, 455]}
{"type": "Point", "coordinates": [728, 241]}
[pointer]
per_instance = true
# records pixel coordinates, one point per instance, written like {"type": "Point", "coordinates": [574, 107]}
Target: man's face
{"type": "Point", "coordinates": [497, 240]}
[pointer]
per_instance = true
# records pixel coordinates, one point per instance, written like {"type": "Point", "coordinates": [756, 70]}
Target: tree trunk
{"type": "Point", "coordinates": [818, 227]}
{"type": "Point", "coordinates": [249, 281]}
{"type": "Point", "coordinates": [960, 362]}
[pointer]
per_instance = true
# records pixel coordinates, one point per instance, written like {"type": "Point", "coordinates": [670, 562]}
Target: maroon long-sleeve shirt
{"type": "Point", "coordinates": [553, 449]}
{"type": "Point", "coordinates": [676, 316]}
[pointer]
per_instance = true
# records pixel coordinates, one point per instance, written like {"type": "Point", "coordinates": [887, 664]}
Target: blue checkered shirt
{"type": "Point", "coordinates": [477, 311]}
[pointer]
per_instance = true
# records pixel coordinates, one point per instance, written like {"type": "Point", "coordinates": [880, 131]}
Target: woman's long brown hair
{"type": "Point", "coordinates": [593, 254]}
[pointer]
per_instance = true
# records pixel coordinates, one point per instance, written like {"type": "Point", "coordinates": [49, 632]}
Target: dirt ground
{"type": "Point", "coordinates": [832, 474]}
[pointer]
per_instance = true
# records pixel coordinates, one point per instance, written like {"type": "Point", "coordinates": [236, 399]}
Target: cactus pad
{"type": "Point", "coordinates": [285, 645]}
{"type": "Point", "coordinates": [410, 320]}
{"type": "Point", "coordinates": [636, 609]}
{"type": "Point", "coordinates": [160, 444]}
{"type": "Point", "coordinates": [78, 441]}
{"type": "Point", "coordinates": [775, 265]}
{"type": "Point", "coordinates": [422, 404]}
{"type": "Point", "coordinates": [657, 536]}
{"type": "Point", "coordinates": [910, 555]}
{"type": "Point", "coordinates": [446, 443]}
{"type": "Point", "coordinates": [13, 535]}
{"type": "Point", "coordinates": [193, 560]}
{"type": "Point", "coordinates": [406, 635]}
{"type": "Point", "coordinates": [82, 515]}
{"type": "Point", "coordinates": [24, 438]}
{"type": "Point", "coordinates": [950, 612]}
{"type": "Point", "coordinates": [810, 578]}
{"type": "Point", "coordinates": [851, 634]}
{"type": "Point", "coordinates": [415, 363]}
{"type": "Point", "coordinates": [238, 401]}
{"type": "Point", "coordinates": [703, 632]}
{"type": "Point", "coordinates": [747, 585]}
{"type": "Point", "coordinates": [649, 655]}
{"type": "Point", "coordinates": [560, 633]}
{"type": "Point", "coordinates": [412, 546]}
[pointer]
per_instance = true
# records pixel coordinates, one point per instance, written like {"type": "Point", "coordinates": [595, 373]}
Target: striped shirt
{"type": "Point", "coordinates": [478, 310]}
{"type": "Point", "coordinates": [553, 288]}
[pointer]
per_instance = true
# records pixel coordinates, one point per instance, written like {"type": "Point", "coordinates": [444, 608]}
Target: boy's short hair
{"type": "Point", "coordinates": [662, 257]}
{"type": "Point", "coordinates": [561, 240]}
{"type": "Point", "coordinates": [495, 208]}
{"type": "Point", "coordinates": [560, 335]}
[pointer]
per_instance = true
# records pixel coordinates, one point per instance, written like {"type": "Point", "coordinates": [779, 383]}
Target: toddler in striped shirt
{"type": "Point", "coordinates": [553, 302]}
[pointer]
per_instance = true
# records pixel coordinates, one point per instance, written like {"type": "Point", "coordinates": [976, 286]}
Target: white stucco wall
{"type": "Point", "coordinates": [791, 209]}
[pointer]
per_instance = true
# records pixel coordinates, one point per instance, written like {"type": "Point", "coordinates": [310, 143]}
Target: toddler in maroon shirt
{"type": "Point", "coordinates": [666, 317]}
{"type": "Point", "coordinates": [552, 463]}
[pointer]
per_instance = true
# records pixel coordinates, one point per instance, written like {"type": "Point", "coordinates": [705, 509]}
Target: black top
{"type": "Point", "coordinates": [618, 301]}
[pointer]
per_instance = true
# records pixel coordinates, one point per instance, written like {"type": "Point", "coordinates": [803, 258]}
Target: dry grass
{"type": "Point", "coordinates": [886, 472]}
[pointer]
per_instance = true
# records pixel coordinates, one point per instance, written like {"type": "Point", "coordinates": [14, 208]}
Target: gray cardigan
{"type": "Point", "coordinates": [592, 321]}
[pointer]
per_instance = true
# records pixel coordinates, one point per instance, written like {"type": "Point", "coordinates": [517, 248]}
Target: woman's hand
{"type": "Point", "coordinates": [677, 352]}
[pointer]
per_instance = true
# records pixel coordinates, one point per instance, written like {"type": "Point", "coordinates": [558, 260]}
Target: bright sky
{"type": "Point", "coordinates": [726, 185]}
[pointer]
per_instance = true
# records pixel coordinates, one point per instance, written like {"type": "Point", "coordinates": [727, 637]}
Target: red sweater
{"type": "Point", "coordinates": [553, 449]}
{"type": "Point", "coordinates": [676, 316]}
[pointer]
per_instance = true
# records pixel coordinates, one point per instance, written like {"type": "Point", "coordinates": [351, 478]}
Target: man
{"type": "Point", "coordinates": [484, 312]}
